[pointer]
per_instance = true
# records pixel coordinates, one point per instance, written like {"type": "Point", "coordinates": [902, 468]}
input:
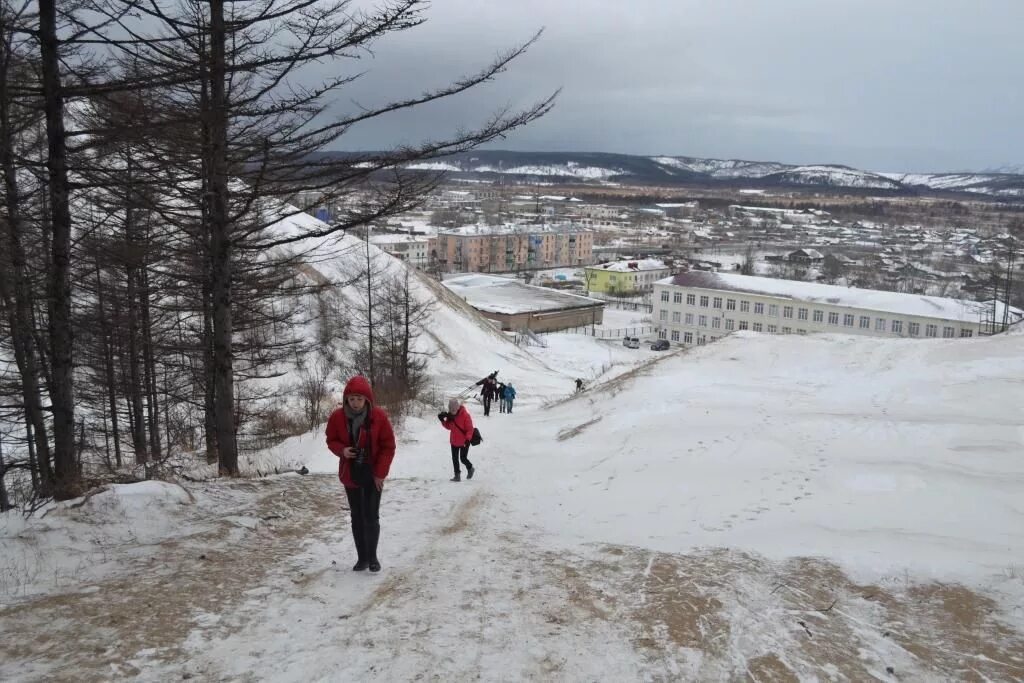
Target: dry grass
{"type": "Point", "coordinates": [567, 434]}
{"type": "Point", "coordinates": [756, 620]}
{"type": "Point", "coordinates": [91, 635]}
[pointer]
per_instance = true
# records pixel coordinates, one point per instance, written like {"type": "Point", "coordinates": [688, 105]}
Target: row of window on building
{"type": "Point", "coordinates": [848, 319]}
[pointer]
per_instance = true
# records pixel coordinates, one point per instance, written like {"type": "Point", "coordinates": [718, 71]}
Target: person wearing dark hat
{"type": "Point", "coordinates": [360, 434]}
{"type": "Point", "coordinates": [459, 422]}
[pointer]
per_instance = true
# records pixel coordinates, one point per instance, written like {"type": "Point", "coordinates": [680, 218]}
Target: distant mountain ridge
{"type": "Point", "coordinates": [605, 167]}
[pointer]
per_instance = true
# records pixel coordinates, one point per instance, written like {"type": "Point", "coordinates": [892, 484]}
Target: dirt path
{"type": "Point", "coordinates": [98, 633]}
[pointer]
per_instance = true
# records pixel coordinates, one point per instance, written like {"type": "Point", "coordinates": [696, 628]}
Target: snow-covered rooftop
{"type": "Point", "coordinates": [632, 266]}
{"type": "Point", "coordinates": [493, 294]}
{"type": "Point", "coordinates": [396, 239]}
{"type": "Point", "coordinates": [507, 229]}
{"type": "Point", "coordinates": [851, 297]}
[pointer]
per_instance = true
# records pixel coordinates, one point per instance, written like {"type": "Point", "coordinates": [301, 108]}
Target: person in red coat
{"type": "Point", "coordinates": [459, 422]}
{"type": "Point", "coordinates": [360, 435]}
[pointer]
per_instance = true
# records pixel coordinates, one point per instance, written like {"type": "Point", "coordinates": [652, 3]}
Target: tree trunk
{"type": "Point", "coordinates": [135, 383]}
{"type": "Point", "coordinates": [209, 404]}
{"type": "Point", "coordinates": [220, 248]}
{"type": "Point", "coordinates": [149, 363]}
{"type": "Point", "coordinates": [62, 398]}
{"type": "Point", "coordinates": [17, 293]}
{"type": "Point", "coordinates": [108, 362]}
{"type": "Point", "coordinates": [5, 502]}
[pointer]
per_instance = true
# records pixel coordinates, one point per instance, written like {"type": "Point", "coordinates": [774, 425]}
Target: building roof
{"type": "Point", "coordinates": [809, 253]}
{"type": "Point", "coordinates": [493, 294]}
{"type": "Point", "coordinates": [849, 297]}
{"type": "Point", "coordinates": [398, 239]}
{"type": "Point", "coordinates": [513, 229]}
{"type": "Point", "coordinates": [635, 266]}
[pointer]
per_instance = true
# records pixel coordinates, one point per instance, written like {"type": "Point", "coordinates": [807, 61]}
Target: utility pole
{"type": "Point", "coordinates": [369, 300]}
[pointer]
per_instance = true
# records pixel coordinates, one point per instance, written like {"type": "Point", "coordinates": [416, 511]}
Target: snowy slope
{"type": "Point", "coordinates": [996, 184]}
{"type": "Point", "coordinates": [583, 167]}
{"type": "Point", "coordinates": [834, 176]}
{"type": "Point", "coordinates": [883, 455]}
{"type": "Point", "coordinates": [724, 168]}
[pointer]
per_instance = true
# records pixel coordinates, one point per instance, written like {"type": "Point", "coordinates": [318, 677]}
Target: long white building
{"type": "Point", "coordinates": [700, 307]}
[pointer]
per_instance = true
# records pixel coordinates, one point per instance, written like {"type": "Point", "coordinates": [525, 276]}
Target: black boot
{"type": "Point", "coordinates": [457, 477]}
{"type": "Point", "coordinates": [469, 474]}
{"type": "Point", "coordinates": [361, 565]}
{"type": "Point", "coordinates": [375, 565]}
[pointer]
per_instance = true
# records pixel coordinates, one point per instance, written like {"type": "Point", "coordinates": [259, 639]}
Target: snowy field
{"type": "Point", "coordinates": [763, 508]}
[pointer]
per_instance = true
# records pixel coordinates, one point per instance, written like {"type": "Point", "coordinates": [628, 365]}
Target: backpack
{"type": "Point", "coordinates": [476, 439]}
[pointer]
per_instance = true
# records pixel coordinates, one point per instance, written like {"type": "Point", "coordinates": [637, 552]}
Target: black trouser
{"type": "Point", "coordinates": [487, 405]}
{"type": "Point", "coordinates": [461, 452]}
{"type": "Point", "coordinates": [364, 508]}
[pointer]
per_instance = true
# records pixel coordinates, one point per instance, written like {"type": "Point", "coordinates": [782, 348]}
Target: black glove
{"type": "Point", "coordinates": [442, 416]}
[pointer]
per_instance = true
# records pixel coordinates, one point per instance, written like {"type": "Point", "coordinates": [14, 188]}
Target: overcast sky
{"type": "Point", "coordinates": [886, 85]}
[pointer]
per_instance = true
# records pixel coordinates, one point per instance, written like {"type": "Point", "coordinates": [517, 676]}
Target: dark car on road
{"type": "Point", "coordinates": [660, 345]}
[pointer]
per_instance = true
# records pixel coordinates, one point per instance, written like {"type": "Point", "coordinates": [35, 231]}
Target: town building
{"type": "Point", "coordinates": [625, 277]}
{"type": "Point", "coordinates": [806, 257]}
{"type": "Point", "coordinates": [416, 250]}
{"type": "Point", "coordinates": [699, 307]}
{"type": "Point", "coordinates": [516, 306]}
{"type": "Point", "coordinates": [502, 249]}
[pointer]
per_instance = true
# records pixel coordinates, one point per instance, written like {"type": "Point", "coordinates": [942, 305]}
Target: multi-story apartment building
{"type": "Point", "coordinates": [701, 307]}
{"type": "Point", "coordinates": [625, 277]}
{"type": "Point", "coordinates": [502, 249]}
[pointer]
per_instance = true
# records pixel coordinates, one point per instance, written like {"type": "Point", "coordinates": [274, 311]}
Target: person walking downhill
{"type": "Point", "coordinates": [509, 396]}
{"type": "Point", "coordinates": [360, 434]}
{"type": "Point", "coordinates": [489, 392]}
{"type": "Point", "coordinates": [459, 422]}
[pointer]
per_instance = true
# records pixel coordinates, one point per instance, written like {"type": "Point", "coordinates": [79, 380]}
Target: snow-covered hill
{"type": "Point", "coordinates": [664, 169]}
{"type": "Point", "coordinates": [1008, 185]}
{"type": "Point", "coordinates": [765, 507]}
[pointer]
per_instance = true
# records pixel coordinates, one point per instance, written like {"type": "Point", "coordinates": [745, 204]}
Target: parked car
{"type": "Point", "coordinates": [660, 345]}
{"type": "Point", "coordinates": [631, 342]}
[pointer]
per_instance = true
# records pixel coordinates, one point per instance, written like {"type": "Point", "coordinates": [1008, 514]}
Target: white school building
{"type": "Point", "coordinates": [700, 307]}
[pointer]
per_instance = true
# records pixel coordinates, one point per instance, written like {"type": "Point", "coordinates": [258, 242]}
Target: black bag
{"type": "Point", "coordinates": [476, 439]}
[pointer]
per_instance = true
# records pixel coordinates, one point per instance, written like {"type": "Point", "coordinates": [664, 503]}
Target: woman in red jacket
{"type": "Point", "coordinates": [360, 435]}
{"type": "Point", "coordinates": [458, 421]}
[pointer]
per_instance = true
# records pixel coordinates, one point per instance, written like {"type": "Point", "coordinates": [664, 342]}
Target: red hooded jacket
{"type": "Point", "coordinates": [460, 426]}
{"type": "Point", "coordinates": [376, 434]}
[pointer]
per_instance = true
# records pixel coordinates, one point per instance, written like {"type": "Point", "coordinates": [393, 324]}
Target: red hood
{"type": "Point", "coordinates": [359, 385]}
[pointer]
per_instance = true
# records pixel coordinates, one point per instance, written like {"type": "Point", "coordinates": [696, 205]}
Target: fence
{"type": "Point", "coordinates": [618, 333]}
{"type": "Point", "coordinates": [628, 305]}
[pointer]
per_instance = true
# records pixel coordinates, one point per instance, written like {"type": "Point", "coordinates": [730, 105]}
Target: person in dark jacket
{"type": "Point", "coordinates": [501, 398]}
{"type": "Point", "coordinates": [489, 392]}
{"type": "Point", "coordinates": [459, 422]}
{"type": "Point", "coordinates": [360, 434]}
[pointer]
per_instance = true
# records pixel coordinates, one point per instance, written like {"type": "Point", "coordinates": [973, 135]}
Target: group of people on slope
{"type": "Point", "coordinates": [491, 389]}
{"type": "Point", "coordinates": [361, 436]}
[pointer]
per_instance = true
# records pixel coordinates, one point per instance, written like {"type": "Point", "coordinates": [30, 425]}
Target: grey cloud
{"type": "Point", "coordinates": [908, 85]}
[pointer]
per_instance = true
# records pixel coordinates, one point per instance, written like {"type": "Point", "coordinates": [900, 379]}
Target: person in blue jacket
{"type": "Point", "coordinates": [509, 396]}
